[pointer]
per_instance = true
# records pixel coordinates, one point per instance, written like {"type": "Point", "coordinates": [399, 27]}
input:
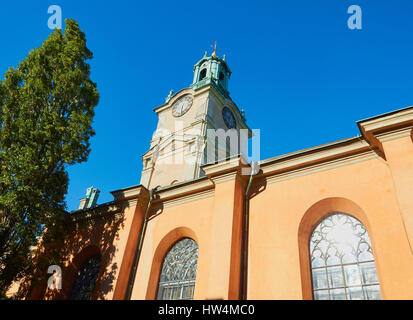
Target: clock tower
{"type": "Point", "coordinates": [190, 123]}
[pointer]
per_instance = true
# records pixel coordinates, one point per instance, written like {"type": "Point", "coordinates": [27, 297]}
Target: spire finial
{"type": "Point", "coordinates": [214, 54]}
{"type": "Point", "coordinates": [243, 115]}
{"type": "Point", "coordinates": [224, 57]}
{"type": "Point", "coordinates": [171, 93]}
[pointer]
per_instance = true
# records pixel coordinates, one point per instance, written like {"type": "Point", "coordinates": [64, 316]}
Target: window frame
{"type": "Point", "coordinates": [182, 282]}
{"type": "Point", "coordinates": [342, 264]}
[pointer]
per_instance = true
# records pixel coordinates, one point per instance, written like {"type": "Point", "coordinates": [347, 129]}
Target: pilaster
{"type": "Point", "coordinates": [392, 134]}
{"type": "Point", "coordinates": [137, 199]}
{"type": "Point", "coordinates": [226, 229]}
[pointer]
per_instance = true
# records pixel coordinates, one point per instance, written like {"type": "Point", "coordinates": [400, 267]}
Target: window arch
{"type": "Point", "coordinates": [86, 278]}
{"type": "Point", "coordinates": [177, 280]}
{"type": "Point", "coordinates": [342, 261]}
{"type": "Point", "coordinates": [202, 74]}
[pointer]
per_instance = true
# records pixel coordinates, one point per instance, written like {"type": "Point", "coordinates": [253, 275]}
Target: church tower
{"type": "Point", "coordinates": [184, 138]}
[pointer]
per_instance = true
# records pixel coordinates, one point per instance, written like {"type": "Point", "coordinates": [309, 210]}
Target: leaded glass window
{"type": "Point", "coordinates": [177, 280]}
{"type": "Point", "coordinates": [342, 261]}
{"type": "Point", "coordinates": [86, 279]}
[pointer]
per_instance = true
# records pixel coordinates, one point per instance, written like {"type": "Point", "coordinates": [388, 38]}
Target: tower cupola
{"type": "Point", "coordinates": [212, 70]}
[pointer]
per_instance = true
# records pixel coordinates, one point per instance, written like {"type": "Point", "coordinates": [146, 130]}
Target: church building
{"type": "Point", "coordinates": [329, 222]}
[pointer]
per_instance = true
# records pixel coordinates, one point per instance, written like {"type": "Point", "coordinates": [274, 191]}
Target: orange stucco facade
{"type": "Point", "coordinates": [368, 177]}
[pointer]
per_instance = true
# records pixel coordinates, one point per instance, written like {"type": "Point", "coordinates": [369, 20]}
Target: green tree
{"type": "Point", "coordinates": [46, 113]}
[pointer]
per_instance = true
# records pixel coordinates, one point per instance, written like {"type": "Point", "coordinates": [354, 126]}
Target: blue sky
{"type": "Point", "coordinates": [302, 76]}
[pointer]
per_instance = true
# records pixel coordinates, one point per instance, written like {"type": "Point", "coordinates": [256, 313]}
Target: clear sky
{"type": "Point", "coordinates": [302, 76]}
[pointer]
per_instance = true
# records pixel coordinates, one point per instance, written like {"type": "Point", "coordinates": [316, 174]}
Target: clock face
{"type": "Point", "coordinates": [181, 106]}
{"type": "Point", "coordinates": [229, 118]}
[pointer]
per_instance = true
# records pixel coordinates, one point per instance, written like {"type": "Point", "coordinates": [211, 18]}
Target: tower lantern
{"type": "Point", "coordinates": [212, 70]}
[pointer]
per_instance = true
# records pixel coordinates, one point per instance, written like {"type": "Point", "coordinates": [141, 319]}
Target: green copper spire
{"type": "Point", "coordinates": [212, 70]}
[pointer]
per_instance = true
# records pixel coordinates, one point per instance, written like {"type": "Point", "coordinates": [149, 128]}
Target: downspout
{"type": "Point", "coordinates": [244, 237]}
{"type": "Point", "coordinates": [142, 232]}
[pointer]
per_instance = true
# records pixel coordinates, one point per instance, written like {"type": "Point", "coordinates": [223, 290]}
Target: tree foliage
{"type": "Point", "coordinates": [46, 113]}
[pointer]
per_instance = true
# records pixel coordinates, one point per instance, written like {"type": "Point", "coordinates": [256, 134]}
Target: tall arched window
{"type": "Point", "coordinates": [177, 280]}
{"type": "Point", "coordinates": [86, 279]}
{"type": "Point", "coordinates": [342, 261]}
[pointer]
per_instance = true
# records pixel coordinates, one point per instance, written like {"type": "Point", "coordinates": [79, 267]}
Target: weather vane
{"type": "Point", "coordinates": [215, 49]}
